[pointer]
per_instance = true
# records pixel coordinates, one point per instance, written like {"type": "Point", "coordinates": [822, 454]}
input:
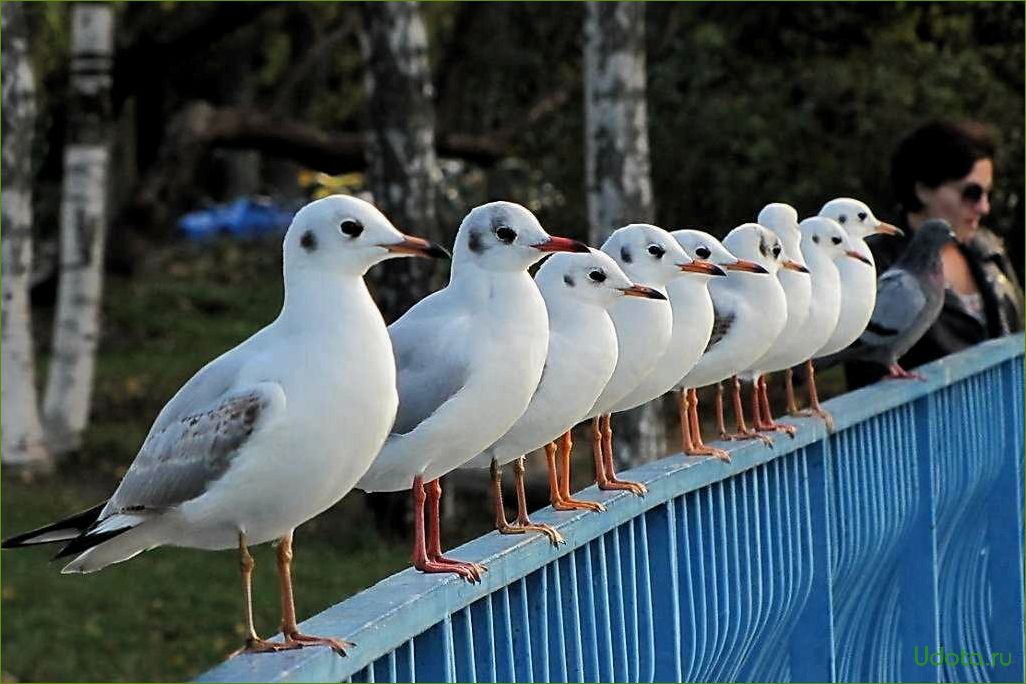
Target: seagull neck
{"type": "Point", "coordinates": [314, 296]}
{"type": "Point", "coordinates": [475, 281]}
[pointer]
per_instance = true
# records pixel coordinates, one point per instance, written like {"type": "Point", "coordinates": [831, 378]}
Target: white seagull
{"type": "Point", "coordinates": [272, 432]}
{"type": "Point", "coordinates": [750, 311]}
{"type": "Point", "coordinates": [469, 358]}
{"type": "Point", "coordinates": [858, 277]}
{"type": "Point", "coordinates": [651, 257]}
{"type": "Point", "coordinates": [825, 245]}
{"type": "Point", "coordinates": [578, 290]}
{"type": "Point", "coordinates": [703, 247]}
{"type": "Point", "coordinates": [794, 278]}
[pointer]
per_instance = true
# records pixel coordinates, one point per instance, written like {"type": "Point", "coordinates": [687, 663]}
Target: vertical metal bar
{"type": "Point", "coordinates": [600, 595]}
{"type": "Point", "coordinates": [617, 610]}
{"type": "Point", "coordinates": [505, 669]}
{"type": "Point", "coordinates": [572, 619]}
{"type": "Point", "coordinates": [557, 637]}
{"type": "Point", "coordinates": [463, 646]}
{"type": "Point", "coordinates": [661, 539]}
{"type": "Point", "coordinates": [482, 621]}
{"type": "Point", "coordinates": [536, 588]}
{"type": "Point", "coordinates": [434, 661]}
{"type": "Point", "coordinates": [589, 630]}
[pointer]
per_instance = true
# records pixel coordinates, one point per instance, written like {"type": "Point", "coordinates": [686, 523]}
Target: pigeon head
{"type": "Point", "coordinates": [827, 236]}
{"type": "Point", "coordinates": [856, 218]}
{"type": "Point", "coordinates": [647, 254]}
{"type": "Point", "coordinates": [925, 247]}
{"type": "Point", "coordinates": [592, 278]}
{"type": "Point", "coordinates": [757, 249]}
{"type": "Point", "coordinates": [705, 249]}
{"type": "Point", "coordinates": [782, 220]}
{"type": "Point", "coordinates": [340, 233]}
{"type": "Point", "coordinates": [504, 236]}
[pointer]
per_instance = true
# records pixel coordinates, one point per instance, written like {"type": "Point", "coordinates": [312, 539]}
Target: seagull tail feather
{"type": "Point", "coordinates": [64, 530]}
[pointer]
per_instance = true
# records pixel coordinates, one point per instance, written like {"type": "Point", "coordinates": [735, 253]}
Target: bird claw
{"type": "Point", "coordinates": [751, 434]}
{"type": "Point", "coordinates": [465, 569]}
{"type": "Point", "coordinates": [568, 504]}
{"type": "Point", "coordinates": [615, 484]}
{"type": "Point", "coordinates": [791, 430]}
{"type": "Point", "coordinates": [721, 454]}
{"type": "Point", "coordinates": [823, 415]}
{"type": "Point", "coordinates": [337, 645]}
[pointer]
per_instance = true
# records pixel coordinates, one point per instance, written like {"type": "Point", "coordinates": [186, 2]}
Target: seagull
{"type": "Point", "coordinates": [651, 257]}
{"type": "Point", "coordinates": [578, 290]}
{"type": "Point", "coordinates": [824, 244]}
{"type": "Point", "coordinates": [858, 278]}
{"type": "Point", "coordinates": [469, 358]}
{"type": "Point", "coordinates": [750, 311]}
{"type": "Point", "coordinates": [272, 432]}
{"type": "Point", "coordinates": [703, 247]}
{"type": "Point", "coordinates": [782, 219]}
{"type": "Point", "coordinates": [910, 297]}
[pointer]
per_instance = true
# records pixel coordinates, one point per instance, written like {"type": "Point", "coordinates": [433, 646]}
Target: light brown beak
{"type": "Point", "coordinates": [416, 246]}
{"type": "Point", "coordinates": [858, 257]}
{"type": "Point", "coordinates": [888, 229]}
{"type": "Point", "coordinates": [705, 267]}
{"type": "Point", "coordinates": [745, 265]}
{"type": "Point", "coordinates": [561, 244]}
{"type": "Point", "coordinates": [793, 265]}
{"type": "Point", "coordinates": [642, 291]}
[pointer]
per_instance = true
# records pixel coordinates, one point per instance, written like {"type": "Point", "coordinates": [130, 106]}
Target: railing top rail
{"type": "Point", "coordinates": [407, 603]}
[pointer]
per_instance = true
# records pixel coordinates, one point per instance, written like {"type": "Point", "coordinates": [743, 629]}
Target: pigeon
{"type": "Point", "coordinates": [858, 279]}
{"type": "Point", "coordinates": [909, 298]}
{"type": "Point", "coordinates": [649, 256]}
{"type": "Point", "coordinates": [750, 311]}
{"type": "Point", "coordinates": [469, 359]}
{"type": "Point", "coordinates": [272, 432]}
{"type": "Point", "coordinates": [578, 290]}
{"type": "Point", "coordinates": [702, 247]}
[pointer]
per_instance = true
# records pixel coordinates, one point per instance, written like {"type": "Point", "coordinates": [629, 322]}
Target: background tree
{"type": "Point", "coordinates": [83, 227]}
{"type": "Point", "coordinates": [617, 167]}
{"type": "Point", "coordinates": [23, 445]}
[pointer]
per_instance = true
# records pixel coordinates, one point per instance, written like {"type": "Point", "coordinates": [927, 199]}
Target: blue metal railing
{"type": "Point", "coordinates": [838, 557]}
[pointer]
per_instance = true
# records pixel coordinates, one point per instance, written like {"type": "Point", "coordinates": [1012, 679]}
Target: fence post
{"type": "Point", "coordinates": [812, 647]}
{"type": "Point", "coordinates": [662, 547]}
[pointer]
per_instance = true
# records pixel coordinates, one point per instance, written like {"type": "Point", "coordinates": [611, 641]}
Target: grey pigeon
{"type": "Point", "coordinates": [909, 296]}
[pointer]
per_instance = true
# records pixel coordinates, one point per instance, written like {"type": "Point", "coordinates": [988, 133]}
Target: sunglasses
{"type": "Point", "coordinates": [973, 193]}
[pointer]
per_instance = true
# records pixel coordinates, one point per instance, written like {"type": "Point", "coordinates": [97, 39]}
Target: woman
{"type": "Point", "coordinates": [945, 170]}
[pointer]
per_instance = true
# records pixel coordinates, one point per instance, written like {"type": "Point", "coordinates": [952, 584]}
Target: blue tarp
{"type": "Point", "coordinates": [245, 217]}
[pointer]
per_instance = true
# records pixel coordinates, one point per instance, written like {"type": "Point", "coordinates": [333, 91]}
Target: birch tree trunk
{"type": "Point", "coordinates": [23, 445]}
{"type": "Point", "coordinates": [83, 227]}
{"type": "Point", "coordinates": [618, 170]}
{"type": "Point", "coordinates": [401, 144]}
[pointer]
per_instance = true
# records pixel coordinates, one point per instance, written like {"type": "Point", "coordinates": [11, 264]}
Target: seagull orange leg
{"type": "Point", "coordinates": [701, 448]}
{"type": "Point", "coordinates": [763, 412]}
{"type": "Point", "coordinates": [421, 560]}
{"type": "Point", "coordinates": [555, 496]}
{"type": "Point", "coordinates": [721, 424]}
{"type": "Point", "coordinates": [792, 405]}
{"type": "Point", "coordinates": [434, 545]}
{"type": "Point", "coordinates": [567, 502]}
{"type": "Point", "coordinates": [293, 637]}
{"type": "Point", "coordinates": [523, 519]}
{"type": "Point", "coordinates": [254, 644]}
{"type": "Point", "coordinates": [739, 416]}
{"type": "Point", "coordinates": [814, 408]}
{"type": "Point", "coordinates": [686, 445]}
{"type": "Point", "coordinates": [612, 481]}
{"type": "Point", "coordinates": [896, 371]}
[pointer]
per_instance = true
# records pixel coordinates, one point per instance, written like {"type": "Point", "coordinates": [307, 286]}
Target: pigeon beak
{"type": "Point", "coordinates": [888, 229]}
{"type": "Point", "coordinates": [561, 244]}
{"type": "Point", "coordinates": [745, 265]}
{"type": "Point", "coordinates": [705, 267]}
{"type": "Point", "coordinates": [416, 246]}
{"type": "Point", "coordinates": [642, 291]}
{"type": "Point", "coordinates": [793, 265]}
{"type": "Point", "coordinates": [858, 257]}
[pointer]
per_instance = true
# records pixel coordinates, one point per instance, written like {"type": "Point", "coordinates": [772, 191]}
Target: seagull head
{"type": "Point", "coordinates": [345, 234]}
{"type": "Point", "coordinates": [757, 249]}
{"type": "Point", "coordinates": [857, 218]}
{"type": "Point", "coordinates": [707, 251]}
{"type": "Point", "coordinates": [504, 236]}
{"type": "Point", "coordinates": [590, 278]}
{"type": "Point", "coordinates": [827, 235]}
{"type": "Point", "coordinates": [782, 219]}
{"type": "Point", "coordinates": [649, 255]}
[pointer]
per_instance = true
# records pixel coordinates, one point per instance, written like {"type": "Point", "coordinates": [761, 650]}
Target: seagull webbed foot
{"type": "Point", "coordinates": [298, 640]}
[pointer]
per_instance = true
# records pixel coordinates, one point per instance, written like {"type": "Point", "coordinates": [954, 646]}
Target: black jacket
{"type": "Point", "coordinates": [956, 328]}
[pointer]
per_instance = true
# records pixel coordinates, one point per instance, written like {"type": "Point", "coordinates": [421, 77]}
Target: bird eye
{"type": "Point", "coordinates": [815, 238]}
{"type": "Point", "coordinates": [597, 275]}
{"type": "Point", "coordinates": [351, 227]}
{"type": "Point", "coordinates": [862, 216]}
{"type": "Point", "coordinates": [656, 251]}
{"type": "Point", "coordinates": [506, 234]}
{"type": "Point", "coordinates": [703, 252]}
{"type": "Point", "coordinates": [836, 240]}
{"type": "Point", "coordinates": [842, 219]}
{"type": "Point", "coordinates": [776, 251]}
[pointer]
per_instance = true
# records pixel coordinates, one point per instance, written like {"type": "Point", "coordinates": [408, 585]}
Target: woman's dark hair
{"type": "Point", "coordinates": [936, 153]}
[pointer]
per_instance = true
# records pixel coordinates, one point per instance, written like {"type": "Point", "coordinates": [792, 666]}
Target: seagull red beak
{"type": "Point", "coordinates": [642, 291]}
{"type": "Point", "coordinates": [888, 229]}
{"type": "Point", "coordinates": [745, 265]}
{"type": "Point", "coordinates": [561, 244]}
{"type": "Point", "coordinates": [858, 257]}
{"type": "Point", "coordinates": [706, 267]}
{"type": "Point", "coordinates": [792, 265]}
{"type": "Point", "coordinates": [416, 246]}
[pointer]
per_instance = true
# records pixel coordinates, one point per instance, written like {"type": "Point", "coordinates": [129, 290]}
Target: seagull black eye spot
{"type": "Point", "coordinates": [862, 216]}
{"type": "Point", "coordinates": [842, 219]}
{"type": "Point", "coordinates": [776, 251]}
{"type": "Point", "coordinates": [351, 227]}
{"type": "Point", "coordinates": [568, 279]}
{"type": "Point", "coordinates": [703, 253]}
{"type": "Point", "coordinates": [836, 240]}
{"type": "Point", "coordinates": [598, 276]}
{"type": "Point", "coordinates": [656, 251]}
{"type": "Point", "coordinates": [506, 234]}
{"type": "Point", "coordinates": [308, 241]}
{"type": "Point", "coordinates": [815, 238]}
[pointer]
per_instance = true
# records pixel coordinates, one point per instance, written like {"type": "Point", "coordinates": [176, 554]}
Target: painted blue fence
{"type": "Point", "coordinates": [826, 558]}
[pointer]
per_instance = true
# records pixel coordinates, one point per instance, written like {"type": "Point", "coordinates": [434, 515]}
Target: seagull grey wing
{"type": "Point", "coordinates": [181, 458]}
{"type": "Point", "coordinates": [899, 301]}
{"type": "Point", "coordinates": [722, 322]}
